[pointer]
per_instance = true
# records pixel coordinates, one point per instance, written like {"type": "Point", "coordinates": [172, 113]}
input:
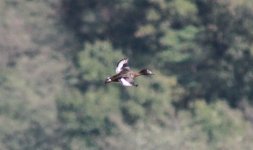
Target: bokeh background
{"type": "Point", "coordinates": [55, 55]}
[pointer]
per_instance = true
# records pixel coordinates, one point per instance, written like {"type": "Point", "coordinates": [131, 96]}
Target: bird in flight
{"type": "Point", "coordinates": [125, 75]}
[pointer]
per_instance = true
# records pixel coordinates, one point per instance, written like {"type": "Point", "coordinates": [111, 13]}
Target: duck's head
{"type": "Point", "coordinates": [146, 72]}
{"type": "Point", "coordinates": [108, 80]}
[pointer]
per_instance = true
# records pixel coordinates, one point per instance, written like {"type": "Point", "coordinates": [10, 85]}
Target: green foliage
{"type": "Point", "coordinates": [183, 12]}
{"type": "Point", "coordinates": [152, 100]}
{"type": "Point", "coordinates": [55, 55]}
{"type": "Point", "coordinates": [132, 112]}
{"type": "Point", "coordinates": [217, 121]}
{"type": "Point", "coordinates": [179, 45]}
{"type": "Point", "coordinates": [86, 113]}
{"type": "Point", "coordinates": [97, 60]}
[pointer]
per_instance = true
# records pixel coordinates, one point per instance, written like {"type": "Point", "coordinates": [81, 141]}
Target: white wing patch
{"type": "Point", "coordinates": [125, 82]}
{"type": "Point", "coordinates": [121, 64]}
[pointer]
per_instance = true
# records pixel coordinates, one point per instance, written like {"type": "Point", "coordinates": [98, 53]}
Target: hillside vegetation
{"type": "Point", "coordinates": [55, 55]}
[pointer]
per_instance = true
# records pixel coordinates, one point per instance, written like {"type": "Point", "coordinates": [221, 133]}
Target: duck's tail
{"type": "Point", "coordinates": [108, 80]}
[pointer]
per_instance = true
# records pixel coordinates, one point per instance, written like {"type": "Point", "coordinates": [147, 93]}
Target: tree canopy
{"type": "Point", "coordinates": [55, 55]}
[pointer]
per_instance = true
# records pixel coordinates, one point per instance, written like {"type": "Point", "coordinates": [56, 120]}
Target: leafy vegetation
{"type": "Point", "coordinates": [55, 55]}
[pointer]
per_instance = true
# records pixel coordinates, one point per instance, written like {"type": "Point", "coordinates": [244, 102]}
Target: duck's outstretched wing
{"type": "Point", "coordinates": [122, 65]}
{"type": "Point", "coordinates": [127, 82]}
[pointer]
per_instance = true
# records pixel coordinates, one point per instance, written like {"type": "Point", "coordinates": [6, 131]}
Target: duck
{"type": "Point", "coordinates": [125, 75]}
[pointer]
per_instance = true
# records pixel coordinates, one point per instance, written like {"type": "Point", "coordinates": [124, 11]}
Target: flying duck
{"type": "Point", "coordinates": [125, 75]}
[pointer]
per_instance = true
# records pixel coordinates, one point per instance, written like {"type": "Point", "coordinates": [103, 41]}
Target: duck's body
{"type": "Point", "coordinates": [125, 75]}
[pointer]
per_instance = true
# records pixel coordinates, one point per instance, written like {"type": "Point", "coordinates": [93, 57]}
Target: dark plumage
{"type": "Point", "coordinates": [125, 75]}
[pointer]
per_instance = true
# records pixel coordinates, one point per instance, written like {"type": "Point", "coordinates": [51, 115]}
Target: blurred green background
{"type": "Point", "coordinates": [55, 55]}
